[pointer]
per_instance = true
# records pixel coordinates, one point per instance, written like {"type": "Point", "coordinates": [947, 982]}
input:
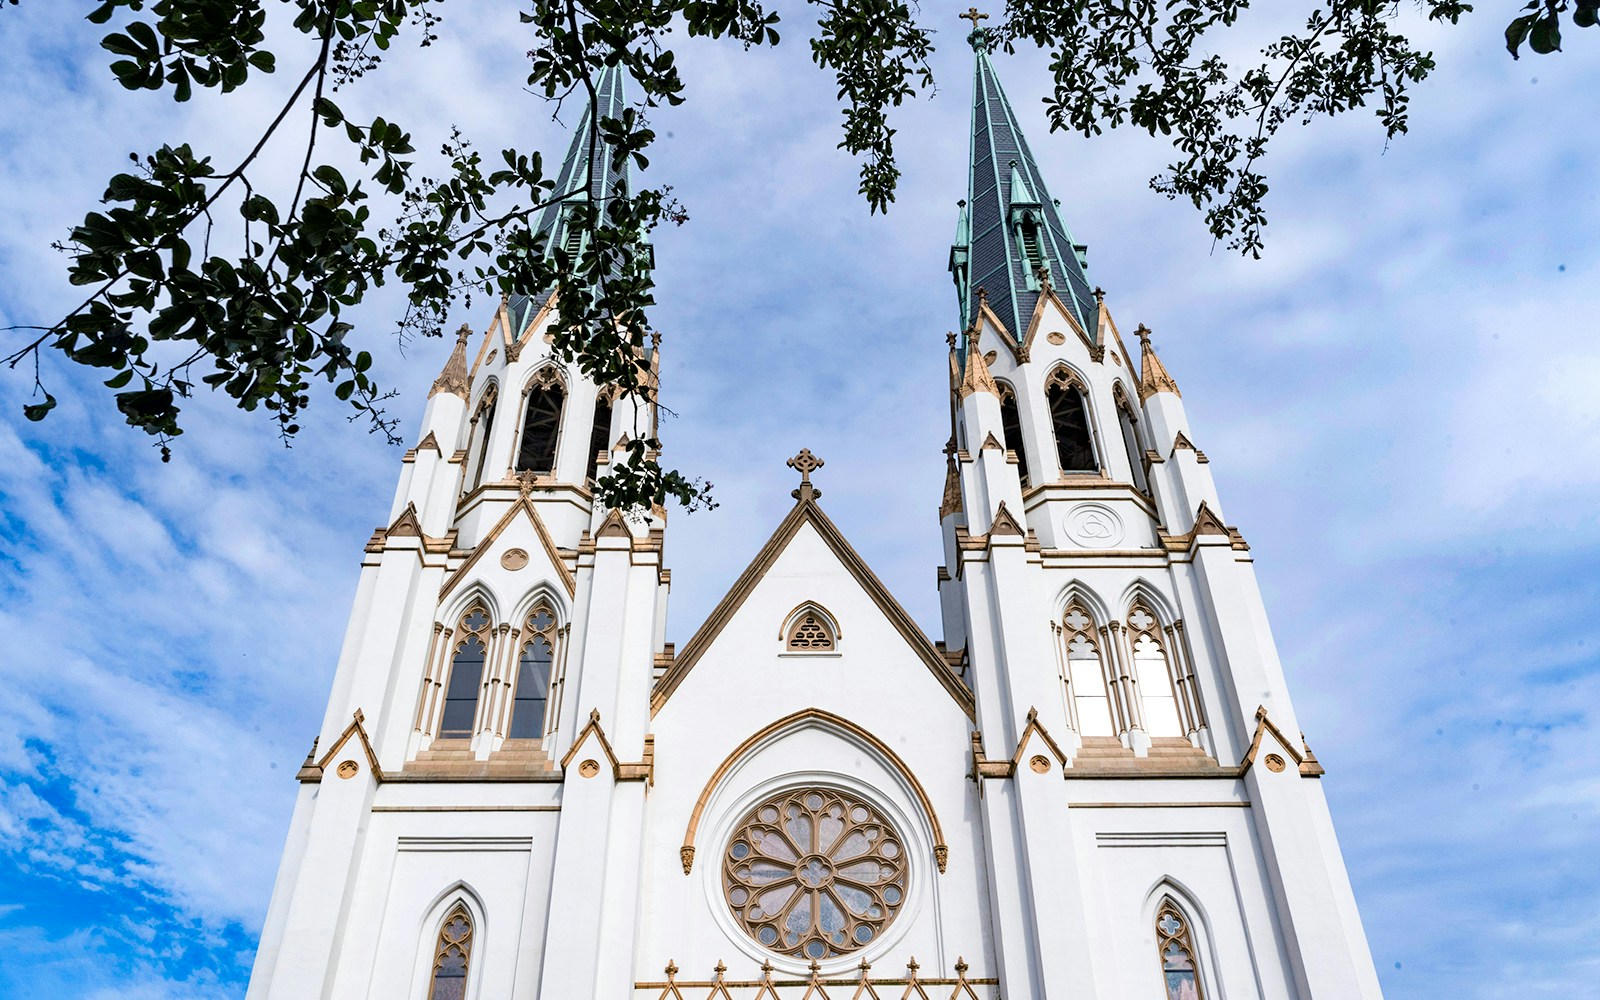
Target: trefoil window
{"type": "Point", "coordinates": [466, 676]}
{"type": "Point", "coordinates": [1086, 679]}
{"type": "Point", "coordinates": [451, 956]}
{"type": "Point", "coordinates": [1151, 669]}
{"type": "Point", "coordinates": [1179, 970]}
{"type": "Point", "coordinates": [532, 693]}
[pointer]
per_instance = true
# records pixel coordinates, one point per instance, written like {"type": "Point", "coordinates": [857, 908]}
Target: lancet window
{"type": "Point", "coordinates": [482, 427]}
{"type": "Point", "coordinates": [600, 434]}
{"type": "Point", "coordinates": [1011, 425]}
{"type": "Point", "coordinates": [1069, 418]}
{"type": "Point", "coordinates": [1032, 252]}
{"type": "Point", "coordinates": [1086, 677]}
{"type": "Point", "coordinates": [466, 675]}
{"type": "Point", "coordinates": [541, 426]}
{"type": "Point", "coordinates": [1180, 969]}
{"type": "Point", "coordinates": [810, 631]}
{"type": "Point", "coordinates": [452, 955]}
{"type": "Point", "coordinates": [1152, 669]}
{"type": "Point", "coordinates": [1130, 440]}
{"type": "Point", "coordinates": [532, 693]}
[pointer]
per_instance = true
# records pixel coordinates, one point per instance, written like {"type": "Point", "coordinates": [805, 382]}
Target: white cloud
{"type": "Point", "coordinates": [1420, 494]}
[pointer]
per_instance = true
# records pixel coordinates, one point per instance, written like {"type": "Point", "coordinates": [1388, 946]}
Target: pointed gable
{"type": "Point", "coordinates": [807, 523]}
{"type": "Point", "coordinates": [522, 536]}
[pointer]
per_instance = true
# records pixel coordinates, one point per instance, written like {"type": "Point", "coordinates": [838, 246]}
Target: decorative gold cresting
{"type": "Point", "coordinates": [454, 377]}
{"type": "Point", "coordinates": [1153, 377]}
{"type": "Point", "coordinates": [806, 463]}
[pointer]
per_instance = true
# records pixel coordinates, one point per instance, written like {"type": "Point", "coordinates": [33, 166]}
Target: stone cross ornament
{"type": "Point", "coordinates": [806, 463]}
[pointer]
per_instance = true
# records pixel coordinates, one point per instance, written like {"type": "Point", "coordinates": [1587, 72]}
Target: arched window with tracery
{"type": "Point", "coordinates": [482, 427]}
{"type": "Point", "coordinates": [1069, 418]}
{"type": "Point", "coordinates": [599, 434]}
{"type": "Point", "coordinates": [1086, 676]}
{"type": "Point", "coordinates": [466, 675]}
{"type": "Point", "coordinates": [534, 666]}
{"type": "Point", "coordinates": [1130, 440]}
{"type": "Point", "coordinates": [1180, 967]}
{"type": "Point", "coordinates": [810, 631]}
{"type": "Point", "coordinates": [452, 956]}
{"type": "Point", "coordinates": [541, 425]}
{"type": "Point", "coordinates": [1011, 425]}
{"type": "Point", "coordinates": [1152, 670]}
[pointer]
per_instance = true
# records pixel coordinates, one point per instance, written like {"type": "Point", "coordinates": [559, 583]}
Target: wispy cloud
{"type": "Point", "coordinates": [1398, 403]}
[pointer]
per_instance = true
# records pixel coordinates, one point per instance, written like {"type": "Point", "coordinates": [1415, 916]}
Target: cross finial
{"type": "Point", "coordinates": [973, 16]}
{"type": "Point", "coordinates": [1143, 333]}
{"type": "Point", "coordinates": [806, 463]}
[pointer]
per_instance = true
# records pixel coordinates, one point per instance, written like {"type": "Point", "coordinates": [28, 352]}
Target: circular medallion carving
{"type": "Point", "coordinates": [814, 873]}
{"type": "Point", "coordinates": [1274, 763]}
{"type": "Point", "coordinates": [349, 769]}
{"type": "Point", "coordinates": [1040, 763]}
{"type": "Point", "coordinates": [1093, 526]}
{"type": "Point", "coordinates": [589, 768]}
{"type": "Point", "coordinates": [1057, 338]}
{"type": "Point", "coordinates": [514, 559]}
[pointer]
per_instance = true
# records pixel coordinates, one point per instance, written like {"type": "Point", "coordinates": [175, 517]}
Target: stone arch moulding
{"type": "Point", "coordinates": [1200, 928]}
{"type": "Point", "coordinates": [548, 373]}
{"type": "Point", "coordinates": [549, 594]}
{"type": "Point", "coordinates": [1082, 593]}
{"type": "Point", "coordinates": [941, 850]}
{"type": "Point", "coordinates": [489, 393]}
{"type": "Point", "coordinates": [1141, 591]}
{"type": "Point", "coordinates": [427, 935]}
{"type": "Point", "coordinates": [828, 621]}
{"type": "Point", "coordinates": [477, 592]}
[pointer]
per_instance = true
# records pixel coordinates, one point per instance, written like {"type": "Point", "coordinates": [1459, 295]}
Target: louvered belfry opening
{"type": "Point", "coordinates": [540, 430]}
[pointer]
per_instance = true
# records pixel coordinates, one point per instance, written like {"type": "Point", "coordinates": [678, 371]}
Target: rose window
{"type": "Point", "coordinates": [814, 873]}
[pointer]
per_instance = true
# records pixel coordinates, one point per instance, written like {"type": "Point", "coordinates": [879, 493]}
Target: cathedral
{"type": "Point", "coordinates": [1092, 786]}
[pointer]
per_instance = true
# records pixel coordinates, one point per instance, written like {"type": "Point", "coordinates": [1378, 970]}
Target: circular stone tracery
{"type": "Point", "coordinates": [814, 873]}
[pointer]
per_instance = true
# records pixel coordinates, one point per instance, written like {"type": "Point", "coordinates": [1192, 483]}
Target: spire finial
{"type": "Point", "coordinates": [1153, 377]}
{"type": "Point", "coordinates": [974, 16]}
{"type": "Point", "coordinates": [806, 463]}
{"type": "Point", "coordinates": [453, 379]}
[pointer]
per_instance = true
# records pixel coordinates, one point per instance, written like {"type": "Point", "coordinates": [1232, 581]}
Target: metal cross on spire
{"type": "Point", "coordinates": [973, 16]}
{"type": "Point", "coordinates": [806, 463]}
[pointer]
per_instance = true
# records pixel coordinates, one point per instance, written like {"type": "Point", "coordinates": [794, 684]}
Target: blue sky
{"type": "Point", "coordinates": [1399, 401]}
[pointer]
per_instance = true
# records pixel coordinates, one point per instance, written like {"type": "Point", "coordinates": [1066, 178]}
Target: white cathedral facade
{"type": "Point", "coordinates": [1092, 787]}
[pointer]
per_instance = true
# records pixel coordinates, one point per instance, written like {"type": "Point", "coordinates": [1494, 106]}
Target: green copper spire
{"type": "Point", "coordinates": [1010, 230]}
{"type": "Point", "coordinates": [605, 183]}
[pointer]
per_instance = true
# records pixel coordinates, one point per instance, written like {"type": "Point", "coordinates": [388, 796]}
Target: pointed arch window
{"type": "Point", "coordinates": [541, 426]}
{"type": "Point", "coordinates": [451, 956]}
{"type": "Point", "coordinates": [1011, 425]}
{"type": "Point", "coordinates": [1086, 676]}
{"type": "Point", "coordinates": [1180, 970]}
{"type": "Point", "coordinates": [1069, 418]}
{"type": "Point", "coordinates": [532, 694]}
{"type": "Point", "coordinates": [811, 630]}
{"type": "Point", "coordinates": [482, 427]}
{"type": "Point", "coordinates": [1130, 441]}
{"type": "Point", "coordinates": [466, 676]}
{"type": "Point", "coordinates": [1032, 251]}
{"type": "Point", "coordinates": [599, 434]}
{"type": "Point", "coordinates": [1151, 668]}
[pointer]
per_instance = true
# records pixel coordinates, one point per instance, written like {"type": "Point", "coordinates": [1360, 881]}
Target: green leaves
{"type": "Point", "coordinates": [1540, 28]}
{"type": "Point", "coordinates": [250, 293]}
